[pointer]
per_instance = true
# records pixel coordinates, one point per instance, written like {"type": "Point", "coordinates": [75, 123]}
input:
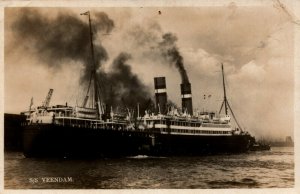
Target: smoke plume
{"type": "Point", "coordinates": [66, 37]}
{"type": "Point", "coordinates": [63, 38]}
{"type": "Point", "coordinates": [126, 86]}
{"type": "Point", "coordinates": [158, 45]}
{"type": "Point", "coordinates": [170, 52]}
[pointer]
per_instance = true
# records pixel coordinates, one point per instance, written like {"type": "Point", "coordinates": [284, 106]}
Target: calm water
{"type": "Point", "coordinates": [264, 169]}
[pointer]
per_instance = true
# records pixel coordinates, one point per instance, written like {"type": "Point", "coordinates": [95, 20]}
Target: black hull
{"type": "Point", "coordinates": [51, 140]}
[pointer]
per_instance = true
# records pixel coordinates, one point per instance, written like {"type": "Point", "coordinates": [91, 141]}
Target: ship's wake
{"type": "Point", "coordinates": [144, 157]}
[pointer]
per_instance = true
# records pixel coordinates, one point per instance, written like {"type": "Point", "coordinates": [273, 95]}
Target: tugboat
{"type": "Point", "coordinates": [97, 131]}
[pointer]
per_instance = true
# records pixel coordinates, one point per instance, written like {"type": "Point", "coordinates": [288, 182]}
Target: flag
{"type": "Point", "coordinates": [31, 103]}
{"type": "Point", "coordinates": [85, 13]}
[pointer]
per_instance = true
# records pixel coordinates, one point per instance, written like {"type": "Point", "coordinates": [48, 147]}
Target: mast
{"type": "Point", "coordinates": [226, 103]}
{"type": "Point", "coordinates": [224, 89]}
{"type": "Point", "coordinates": [96, 97]}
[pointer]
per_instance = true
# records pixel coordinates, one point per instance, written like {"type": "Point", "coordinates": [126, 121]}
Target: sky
{"type": "Point", "coordinates": [254, 43]}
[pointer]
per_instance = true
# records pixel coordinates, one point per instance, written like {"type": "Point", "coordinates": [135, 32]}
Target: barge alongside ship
{"type": "Point", "coordinates": [64, 130]}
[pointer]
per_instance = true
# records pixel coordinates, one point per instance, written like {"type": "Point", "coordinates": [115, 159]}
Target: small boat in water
{"type": "Point", "coordinates": [260, 147]}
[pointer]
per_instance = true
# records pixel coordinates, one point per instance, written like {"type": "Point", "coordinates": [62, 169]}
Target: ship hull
{"type": "Point", "coordinates": [46, 140]}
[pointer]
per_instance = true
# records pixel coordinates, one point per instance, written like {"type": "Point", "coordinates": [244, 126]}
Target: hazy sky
{"type": "Point", "coordinates": [255, 44]}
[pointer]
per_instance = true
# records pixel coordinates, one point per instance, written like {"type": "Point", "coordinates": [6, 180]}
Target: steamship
{"type": "Point", "coordinates": [66, 131]}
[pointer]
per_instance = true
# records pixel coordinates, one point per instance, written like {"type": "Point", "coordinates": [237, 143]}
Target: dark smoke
{"type": "Point", "coordinates": [125, 85]}
{"type": "Point", "coordinates": [66, 38]}
{"type": "Point", "coordinates": [156, 45]}
{"type": "Point", "coordinates": [63, 38]}
{"type": "Point", "coordinates": [170, 53]}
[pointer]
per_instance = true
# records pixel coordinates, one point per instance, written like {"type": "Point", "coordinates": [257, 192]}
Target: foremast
{"type": "Point", "coordinates": [97, 103]}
